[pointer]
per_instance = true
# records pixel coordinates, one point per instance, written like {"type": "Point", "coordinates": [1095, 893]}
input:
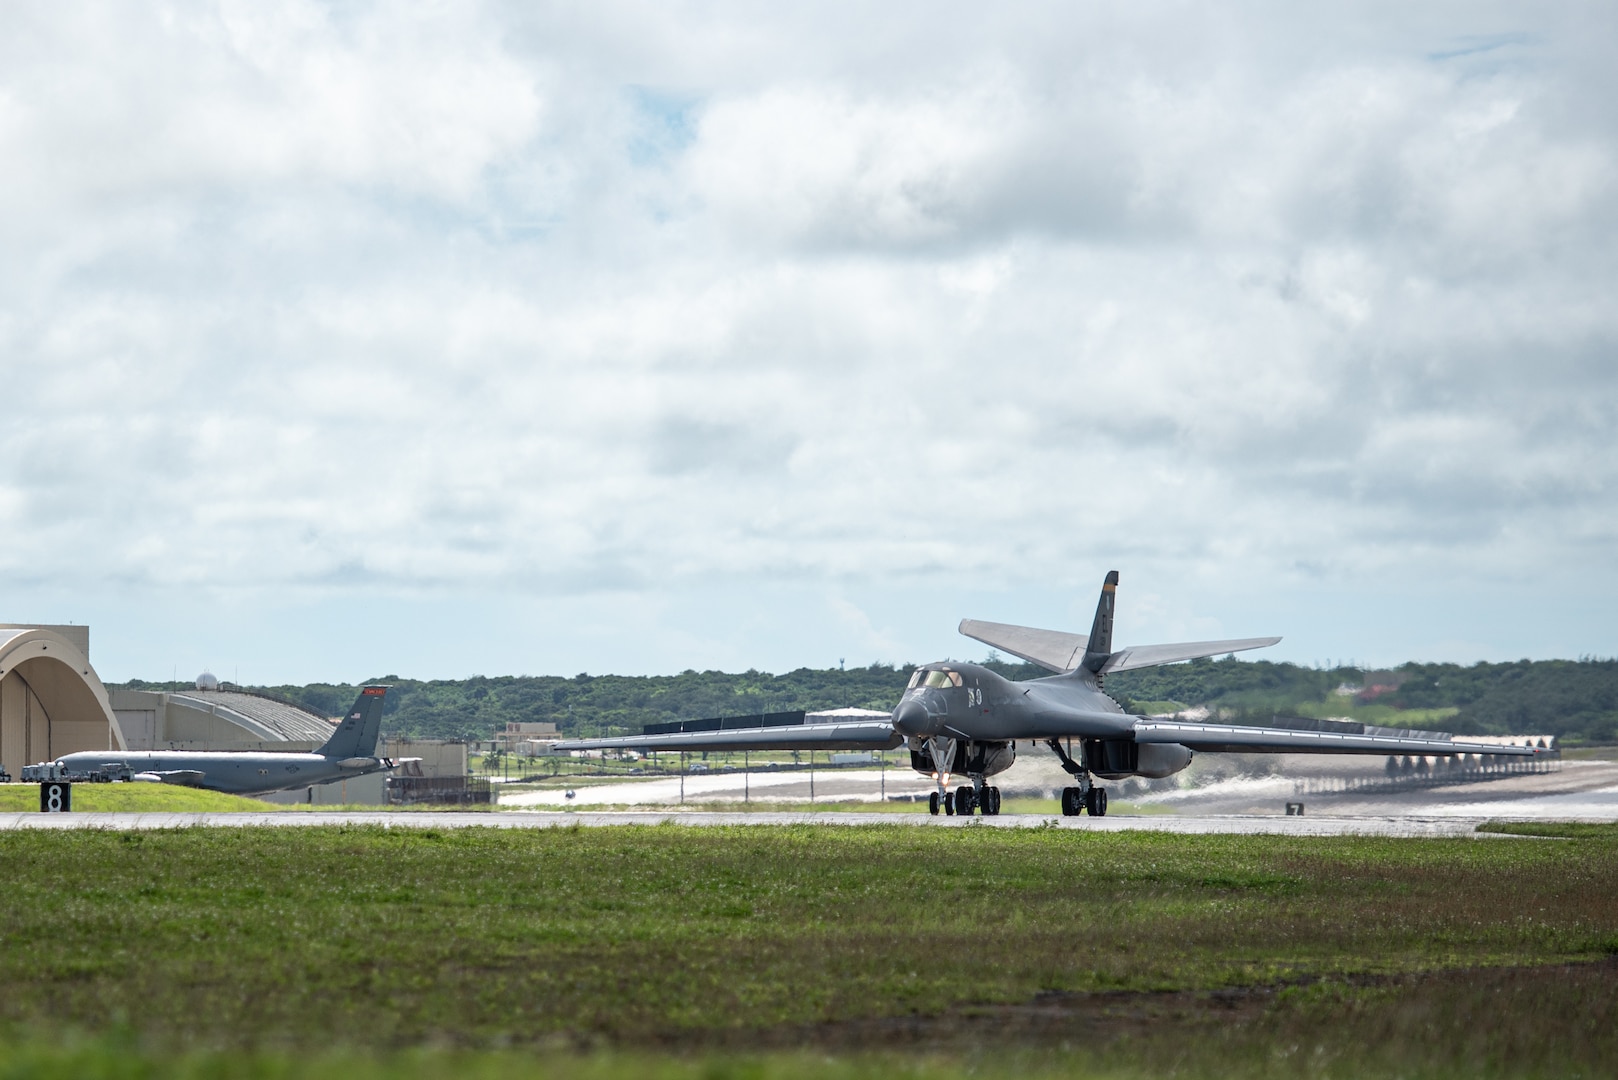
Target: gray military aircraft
{"type": "Point", "coordinates": [350, 752]}
{"type": "Point", "coordinates": [966, 720]}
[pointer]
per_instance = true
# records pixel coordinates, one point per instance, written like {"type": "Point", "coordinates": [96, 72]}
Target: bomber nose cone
{"type": "Point", "coordinates": [911, 718]}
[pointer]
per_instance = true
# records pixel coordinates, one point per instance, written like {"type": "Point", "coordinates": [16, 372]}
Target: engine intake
{"type": "Point", "coordinates": [971, 758]}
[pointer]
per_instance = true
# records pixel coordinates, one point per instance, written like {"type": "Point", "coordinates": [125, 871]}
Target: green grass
{"type": "Point", "coordinates": [733, 945]}
{"type": "Point", "coordinates": [1590, 753]}
{"type": "Point", "coordinates": [132, 798]}
{"type": "Point", "coordinates": [1570, 830]}
{"type": "Point", "coordinates": [1500, 1023]}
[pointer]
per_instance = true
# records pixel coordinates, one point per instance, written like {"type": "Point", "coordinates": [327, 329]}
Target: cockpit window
{"type": "Point", "coordinates": [941, 679]}
{"type": "Point", "coordinates": [916, 678]}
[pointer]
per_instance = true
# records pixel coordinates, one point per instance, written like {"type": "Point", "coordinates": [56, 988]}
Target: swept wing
{"type": "Point", "coordinates": [1229, 738]}
{"type": "Point", "coordinates": [1204, 738]}
{"type": "Point", "coordinates": [853, 735]}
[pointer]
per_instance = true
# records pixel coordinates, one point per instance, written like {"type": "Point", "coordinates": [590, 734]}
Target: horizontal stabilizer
{"type": "Point", "coordinates": [1052, 650]}
{"type": "Point", "coordinates": [1230, 738]}
{"type": "Point", "coordinates": [1139, 656]}
{"type": "Point", "coordinates": [1056, 651]}
{"type": "Point", "coordinates": [856, 735]}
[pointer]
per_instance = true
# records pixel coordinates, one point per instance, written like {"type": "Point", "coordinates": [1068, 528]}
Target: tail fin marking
{"type": "Point", "coordinates": [358, 731]}
{"type": "Point", "coordinates": [1099, 646]}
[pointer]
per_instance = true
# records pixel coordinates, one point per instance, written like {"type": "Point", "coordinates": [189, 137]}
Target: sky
{"type": "Point", "coordinates": [350, 339]}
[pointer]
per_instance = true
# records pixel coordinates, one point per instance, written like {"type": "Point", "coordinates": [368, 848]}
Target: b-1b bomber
{"type": "Point", "coordinates": [965, 720]}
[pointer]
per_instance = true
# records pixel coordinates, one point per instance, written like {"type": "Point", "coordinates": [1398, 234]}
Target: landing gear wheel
{"type": "Point", "coordinates": [1072, 802]}
{"type": "Point", "coordinates": [991, 804]}
{"type": "Point", "coordinates": [949, 803]}
{"type": "Point", "coordinates": [1097, 802]}
{"type": "Point", "coordinates": [932, 804]}
{"type": "Point", "coordinates": [965, 801]}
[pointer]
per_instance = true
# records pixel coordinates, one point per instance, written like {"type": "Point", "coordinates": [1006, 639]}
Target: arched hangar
{"type": "Point", "coordinates": [211, 718]}
{"type": "Point", "coordinates": [51, 700]}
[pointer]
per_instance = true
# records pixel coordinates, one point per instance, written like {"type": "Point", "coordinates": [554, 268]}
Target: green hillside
{"type": "Point", "coordinates": [1576, 700]}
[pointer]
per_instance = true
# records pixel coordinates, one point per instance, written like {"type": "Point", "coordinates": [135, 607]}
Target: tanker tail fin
{"type": "Point", "coordinates": [358, 731]}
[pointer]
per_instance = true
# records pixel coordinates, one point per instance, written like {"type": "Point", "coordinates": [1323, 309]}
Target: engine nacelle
{"type": "Point", "coordinates": [1115, 759]}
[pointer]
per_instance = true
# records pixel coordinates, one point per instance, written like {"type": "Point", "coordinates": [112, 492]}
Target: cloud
{"type": "Point", "coordinates": [354, 299]}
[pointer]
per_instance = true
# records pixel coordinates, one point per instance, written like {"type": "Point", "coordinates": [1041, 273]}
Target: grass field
{"type": "Point", "coordinates": [785, 951]}
{"type": "Point", "coordinates": [132, 798]}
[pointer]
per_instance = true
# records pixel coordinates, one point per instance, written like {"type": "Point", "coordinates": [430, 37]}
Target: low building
{"type": "Point", "coordinates": [526, 739]}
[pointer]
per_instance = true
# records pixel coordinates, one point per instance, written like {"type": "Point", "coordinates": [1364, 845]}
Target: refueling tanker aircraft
{"type": "Point", "coordinates": [350, 752]}
{"type": "Point", "coordinates": [964, 719]}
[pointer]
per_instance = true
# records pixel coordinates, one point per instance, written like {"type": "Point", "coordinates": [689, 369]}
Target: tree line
{"type": "Point", "coordinates": [1576, 700]}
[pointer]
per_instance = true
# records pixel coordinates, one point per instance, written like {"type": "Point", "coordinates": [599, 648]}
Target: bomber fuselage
{"type": "Point", "coordinates": [967, 701]}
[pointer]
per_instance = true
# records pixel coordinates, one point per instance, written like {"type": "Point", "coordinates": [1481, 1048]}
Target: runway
{"type": "Point", "coordinates": [797, 786]}
{"type": "Point", "coordinates": [1402, 825]}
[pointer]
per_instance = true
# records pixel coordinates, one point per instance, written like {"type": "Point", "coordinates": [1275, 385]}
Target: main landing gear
{"type": "Point", "coordinates": [1077, 800]}
{"type": "Point", "coordinates": [964, 800]}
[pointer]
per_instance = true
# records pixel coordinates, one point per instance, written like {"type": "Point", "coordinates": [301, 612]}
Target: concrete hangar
{"type": "Point", "coordinates": [51, 700]}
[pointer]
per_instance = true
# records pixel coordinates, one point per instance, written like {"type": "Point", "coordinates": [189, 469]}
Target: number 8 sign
{"type": "Point", "coordinates": [55, 797]}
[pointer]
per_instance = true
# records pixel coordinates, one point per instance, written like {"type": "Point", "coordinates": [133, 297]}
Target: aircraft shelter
{"type": "Point", "coordinates": [51, 700]}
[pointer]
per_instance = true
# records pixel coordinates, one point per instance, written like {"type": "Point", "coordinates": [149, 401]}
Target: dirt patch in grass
{"type": "Point", "coordinates": [1557, 1019]}
{"type": "Point", "coordinates": [1552, 1001]}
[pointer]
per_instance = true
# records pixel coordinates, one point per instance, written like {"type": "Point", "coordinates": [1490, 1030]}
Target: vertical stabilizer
{"type": "Point", "coordinates": [358, 731]}
{"type": "Point", "coordinates": [1099, 646]}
